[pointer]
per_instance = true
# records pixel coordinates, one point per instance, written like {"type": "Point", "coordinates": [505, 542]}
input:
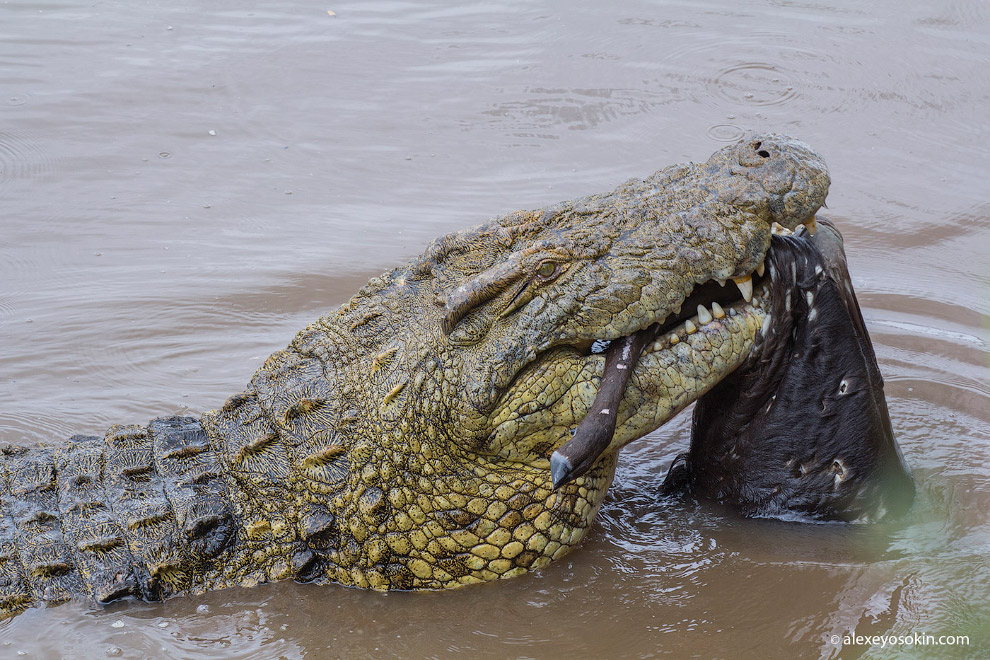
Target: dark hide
{"type": "Point", "coordinates": [802, 429]}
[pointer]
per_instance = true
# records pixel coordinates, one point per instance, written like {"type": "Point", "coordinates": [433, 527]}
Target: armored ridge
{"type": "Point", "coordinates": [403, 441]}
{"type": "Point", "coordinates": [140, 512]}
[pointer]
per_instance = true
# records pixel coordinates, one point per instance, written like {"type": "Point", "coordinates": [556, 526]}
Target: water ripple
{"type": "Point", "coordinates": [753, 83]}
{"type": "Point", "coordinates": [22, 157]}
{"type": "Point", "coordinates": [725, 132]}
{"type": "Point", "coordinates": [578, 109]}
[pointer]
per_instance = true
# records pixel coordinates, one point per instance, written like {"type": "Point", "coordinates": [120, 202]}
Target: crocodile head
{"type": "Point", "coordinates": [424, 412]}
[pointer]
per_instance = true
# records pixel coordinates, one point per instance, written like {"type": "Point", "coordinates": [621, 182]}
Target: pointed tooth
{"type": "Point", "coordinates": [717, 311]}
{"type": "Point", "coordinates": [761, 269]}
{"type": "Point", "coordinates": [777, 228]}
{"type": "Point", "coordinates": [690, 327]}
{"type": "Point", "coordinates": [745, 285]}
{"type": "Point", "coordinates": [812, 225]}
{"type": "Point", "coordinates": [704, 316]}
{"type": "Point", "coordinates": [674, 339]}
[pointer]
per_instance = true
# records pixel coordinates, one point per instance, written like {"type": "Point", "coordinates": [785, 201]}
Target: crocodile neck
{"type": "Point", "coordinates": [377, 495]}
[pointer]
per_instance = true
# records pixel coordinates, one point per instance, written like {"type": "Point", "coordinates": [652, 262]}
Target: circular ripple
{"type": "Point", "coordinates": [749, 74]}
{"type": "Point", "coordinates": [21, 158]}
{"type": "Point", "coordinates": [753, 83]}
{"type": "Point", "coordinates": [7, 305]}
{"type": "Point", "coordinates": [725, 132]}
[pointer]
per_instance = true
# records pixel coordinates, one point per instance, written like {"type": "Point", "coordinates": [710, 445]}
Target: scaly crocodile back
{"type": "Point", "coordinates": [142, 511]}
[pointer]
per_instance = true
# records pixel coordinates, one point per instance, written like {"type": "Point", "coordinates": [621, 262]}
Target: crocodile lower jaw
{"type": "Point", "coordinates": [684, 362]}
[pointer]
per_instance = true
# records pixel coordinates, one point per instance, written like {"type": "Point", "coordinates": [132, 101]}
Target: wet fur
{"type": "Point", "coordinates": [803, 428]}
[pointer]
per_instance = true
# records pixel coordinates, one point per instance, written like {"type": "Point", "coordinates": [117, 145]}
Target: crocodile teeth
{"type": "Point", "coordinates": [704, 316]}
{"type": "Point", "coordinates": [674, 339]}
{"type": "Point", "coordinates": [717, 311]}
{"type": "Point", "coordinates": [777, 228]}
{"type": "Point", "coordinates": [690, 327]}
{"type": "Point", "coordinates": [745, 285]}
{"type": "Point", "coordinates": [812, 225]}
{"type": "Point", "coordinates": [761, 269]}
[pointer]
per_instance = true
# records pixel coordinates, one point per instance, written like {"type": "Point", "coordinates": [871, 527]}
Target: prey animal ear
{"type": "Point", "coordinates": [508, 280]}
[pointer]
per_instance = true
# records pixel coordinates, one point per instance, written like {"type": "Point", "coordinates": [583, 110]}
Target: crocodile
{"type": "Point", "coordinates": [403, 441]}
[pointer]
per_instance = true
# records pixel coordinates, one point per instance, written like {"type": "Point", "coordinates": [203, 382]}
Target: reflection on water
{"type": "Point", "coordinates": [186, 186]}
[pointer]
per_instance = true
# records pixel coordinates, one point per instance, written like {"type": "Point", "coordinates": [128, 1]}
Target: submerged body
{"type": "Point", "coordinates": [802, 428]}
{"type": "Point", "coordinates": [403, 441]}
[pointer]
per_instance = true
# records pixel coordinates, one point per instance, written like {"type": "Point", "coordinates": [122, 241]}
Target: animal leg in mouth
{"type": "Point", "coordinates": [594, 434]}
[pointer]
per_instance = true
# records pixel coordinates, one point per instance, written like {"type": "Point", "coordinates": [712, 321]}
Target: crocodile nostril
{"type": "Point", "coordinates": [764, 153]}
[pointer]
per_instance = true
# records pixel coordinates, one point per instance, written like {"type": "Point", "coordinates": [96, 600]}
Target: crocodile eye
{"type": "Point", "coordinates": [547, 270]}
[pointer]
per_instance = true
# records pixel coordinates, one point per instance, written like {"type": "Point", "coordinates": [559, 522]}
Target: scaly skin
{"type": "Point", "coordinates": [402, 442]}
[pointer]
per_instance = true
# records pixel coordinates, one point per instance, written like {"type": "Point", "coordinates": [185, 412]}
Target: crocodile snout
{"type": "Point", "coordinates": [791, 179]}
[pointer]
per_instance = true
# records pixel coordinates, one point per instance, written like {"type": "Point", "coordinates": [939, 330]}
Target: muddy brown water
{"type": "Point", "coordinates": [184, 185]}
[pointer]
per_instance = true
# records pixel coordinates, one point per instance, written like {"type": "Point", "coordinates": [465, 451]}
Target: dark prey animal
{"type": "Point", "coordinates": [801, 428]}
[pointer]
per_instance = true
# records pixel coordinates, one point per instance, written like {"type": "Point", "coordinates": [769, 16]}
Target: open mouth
{"type": "Point", "coordinates": [713, 308]}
